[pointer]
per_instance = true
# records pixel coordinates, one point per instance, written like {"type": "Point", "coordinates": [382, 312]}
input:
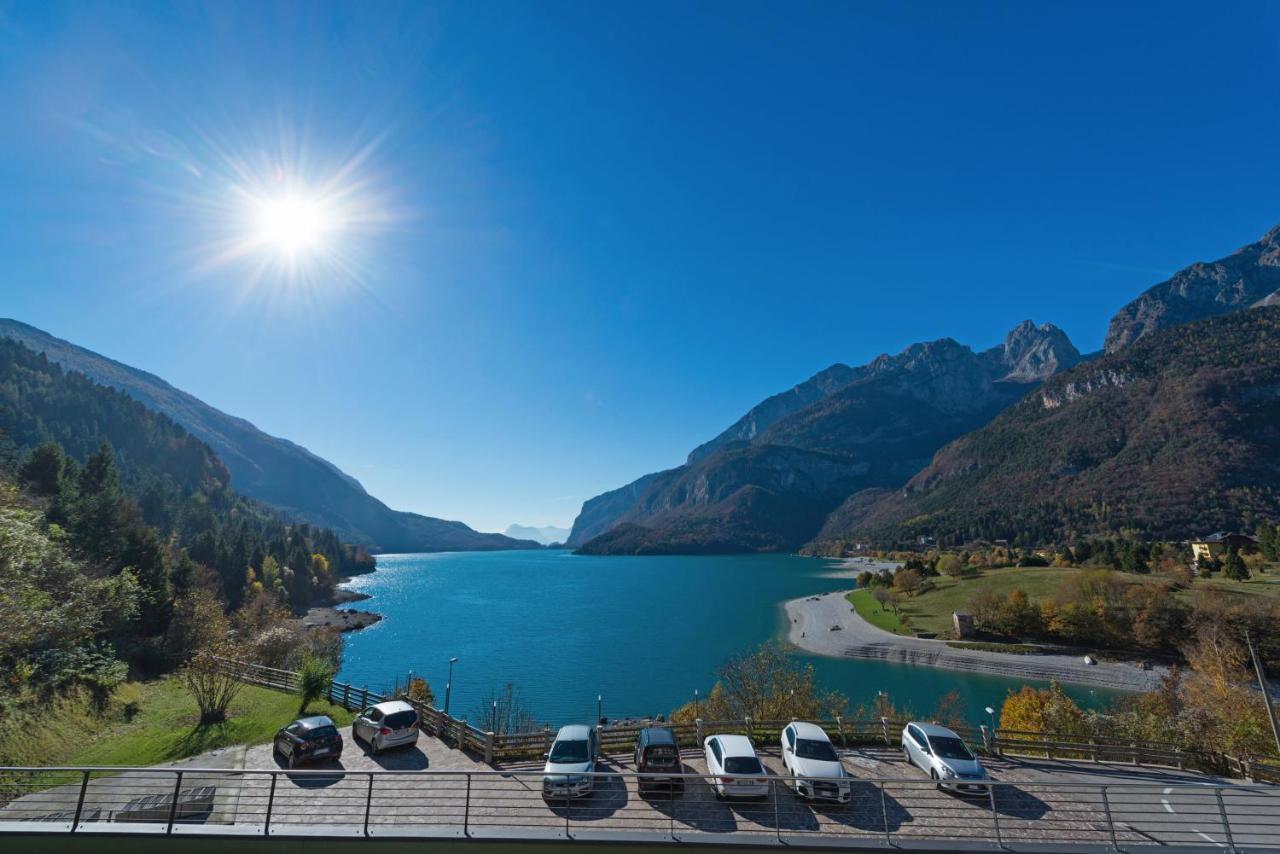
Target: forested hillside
{"type": "Point", "coordinates": [267, 468]}
{"type": "Point", "coordinates": [129, 488]}
{"type": "Point", "coordinates": [1173, 436]}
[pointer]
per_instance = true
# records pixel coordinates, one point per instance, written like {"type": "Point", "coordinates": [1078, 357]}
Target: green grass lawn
{"type": "Point", "coordinates": [869, 609]}
{"type": "Point", "coordinates": [165, 727]}
{"type": "Point", "coordinates": [931, 611]}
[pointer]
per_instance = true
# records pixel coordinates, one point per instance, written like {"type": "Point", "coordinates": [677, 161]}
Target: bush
{"type": "Point", "coordinates": [314, 678]}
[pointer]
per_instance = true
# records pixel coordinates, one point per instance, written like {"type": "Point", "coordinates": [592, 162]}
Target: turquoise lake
{"type": "Point", "coordinates": [641, 632]}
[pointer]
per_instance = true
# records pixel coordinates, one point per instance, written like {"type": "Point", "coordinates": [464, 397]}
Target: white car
{"type": "Point", "coordinates": [734, 768]}
{"type": "Point", "coordinates": [570, 763]}
{"type": "Point", "coordinates": [944, 756]}
{"type": "Point", "coordinates": [813, 763]}
{"type": "Point", "coordinates": [390, 724]}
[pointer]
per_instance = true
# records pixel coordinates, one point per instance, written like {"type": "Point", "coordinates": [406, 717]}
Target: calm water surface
{"type": "Point", "coordinates": [642, 632]}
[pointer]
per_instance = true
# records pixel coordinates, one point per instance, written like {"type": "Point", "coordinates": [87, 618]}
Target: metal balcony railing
{"type": "Point", "coordinates": [511, 804]}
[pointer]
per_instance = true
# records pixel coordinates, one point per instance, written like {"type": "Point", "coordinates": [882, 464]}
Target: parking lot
{"type": "Point", "coordinates": [441, 791]}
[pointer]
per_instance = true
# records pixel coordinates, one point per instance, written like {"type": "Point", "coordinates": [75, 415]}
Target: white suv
{"type": "Point", "coordinates": [944, 756]}
{"type": "Point", "coordinates": [813, 763]}
{"type": "Point", "coordinates": [390, 724]}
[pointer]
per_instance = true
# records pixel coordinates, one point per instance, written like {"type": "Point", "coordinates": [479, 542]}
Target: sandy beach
{"type": "Point", "coordinates": [811, 618]}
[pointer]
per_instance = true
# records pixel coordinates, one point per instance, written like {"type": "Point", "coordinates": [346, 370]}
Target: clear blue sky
{"type": "Point", "coordinates": [593, 234]}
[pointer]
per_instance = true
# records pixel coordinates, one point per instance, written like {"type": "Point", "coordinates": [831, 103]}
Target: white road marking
{"type": "Point", "coordinates": [1207, 838]}
{"type": "Point", "coordinates": [1165, 801]}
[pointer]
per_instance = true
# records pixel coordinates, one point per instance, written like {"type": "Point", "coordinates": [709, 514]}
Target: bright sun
{"type": "Point", "coordinates": [293, 224]}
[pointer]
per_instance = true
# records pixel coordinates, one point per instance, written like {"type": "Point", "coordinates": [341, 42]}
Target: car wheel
{"type": "Point", "coordinates": [292, 761]}
{"type": "Point", "coordinates": [934, 774]}
{"type": "Point", "coordinates": [906, 756]}
{"type": "Point", "coordinates": [374, 749]}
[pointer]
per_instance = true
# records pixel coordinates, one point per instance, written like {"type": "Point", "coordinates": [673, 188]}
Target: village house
{"type": "Point", "coordinates": [1213, 548]}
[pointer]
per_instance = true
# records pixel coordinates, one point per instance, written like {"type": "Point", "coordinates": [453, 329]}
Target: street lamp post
{"type": "Point", "coordinates": [448, 686]}
{"type": "Point", "coordinates": [991, 714]}
{"type": "Point", "coordinates": [599, 708]}
{"type": "Point", "coordinates": [696, 712]}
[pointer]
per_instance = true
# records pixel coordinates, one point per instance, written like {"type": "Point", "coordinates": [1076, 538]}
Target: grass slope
{"type": "Point", "coordinates": [164, 728]}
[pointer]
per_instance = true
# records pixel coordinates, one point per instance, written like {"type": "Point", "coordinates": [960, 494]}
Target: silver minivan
{"type": "Point", "coordinates": [390, 724]}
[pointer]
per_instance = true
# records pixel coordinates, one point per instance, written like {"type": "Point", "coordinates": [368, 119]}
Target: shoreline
{"type": "Point", "coordinates": [809, 627]}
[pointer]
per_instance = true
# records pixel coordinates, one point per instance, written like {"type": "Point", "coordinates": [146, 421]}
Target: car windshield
{"type": "Point", "coordinates": [563, 752]}
{"type": "Point", "coordinates": [950, 748]}
{"type": "Point", "coordinates": [322, 732]}
{"type": "Point", "coordinates": [807, 748]}
{"type": "Point", "coordinates": [743, 765]}
{"type": "Point", "coordinates": [400, 720]}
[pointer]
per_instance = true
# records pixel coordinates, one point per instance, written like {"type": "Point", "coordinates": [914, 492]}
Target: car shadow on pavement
{"type": "Point", "coordinates": [697, 808]}
{"type": "Point", "coordinates": [1014, 802]}
{"type": "Point", "coordinates": [312, 780]}
{"type": "Point", "coordinates": [401, 759]}
{"type": "Point", "coordinates": [607, 797]}
{"type": "Point", "coordinates": [869, 809]}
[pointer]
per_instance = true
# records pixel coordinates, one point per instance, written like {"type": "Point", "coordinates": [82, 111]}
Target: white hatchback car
{"type": "Point", "coordinates": [811, 760]}
{"type": "Point", "coordinates": [945, 757]}
{"type": "Point", "coordinates": [390, 724]}
{"type": "Point", "coordinates": [734, 768]}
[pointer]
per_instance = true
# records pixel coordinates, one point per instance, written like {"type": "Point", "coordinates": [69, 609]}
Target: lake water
{"type": "Point", "coordinates": [641, 632]}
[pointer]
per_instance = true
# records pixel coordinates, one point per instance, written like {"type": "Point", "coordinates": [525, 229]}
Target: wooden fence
{"type": "Point", "coordinates": [621, 737]}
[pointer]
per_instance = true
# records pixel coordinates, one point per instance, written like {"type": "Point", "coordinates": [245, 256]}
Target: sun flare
{"type": "Point", "coordinates": [294, 223]}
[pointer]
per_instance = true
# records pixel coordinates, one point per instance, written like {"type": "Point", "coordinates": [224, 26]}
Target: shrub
{"type": "Point", "coordinates": [314, 678]}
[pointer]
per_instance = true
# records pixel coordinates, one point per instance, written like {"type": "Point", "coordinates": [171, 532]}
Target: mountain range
{"type": "Point", "coordinates": [274, 471]}
{"type": "Point", "coordinates": [876, 452]}
{"type": "Point", "coordinates": [547, 534]}
{"type": "Point", "coordinates": [768, 482]}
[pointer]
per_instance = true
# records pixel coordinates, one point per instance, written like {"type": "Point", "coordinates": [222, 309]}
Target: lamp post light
{"type": "Point", "coordinates": [599, 708]}
{"type": "Point", "coordinates": [448, 686]}
{"type": "Point", "coordinates": [493, 720]}
{"type": "Point", "coordinates": [696, 712]}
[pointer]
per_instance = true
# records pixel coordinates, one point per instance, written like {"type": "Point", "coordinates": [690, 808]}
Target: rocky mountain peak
{"type": "Point", "coordinates": [1034, 353]}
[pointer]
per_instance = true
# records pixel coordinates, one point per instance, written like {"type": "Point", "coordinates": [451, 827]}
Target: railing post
{"type": "Point", "coordinates": [1226, 822]}
{"type": "Point", "coordinates": [271, 799]}
{"type": "Point", "coordinates": [466, 809]}
{"type": "Point", "coordinates": [1111, 825]}
{"type": "Point", "coordinates": [368, 804]}
{"type": "Point", "coordinates": [1093, 749]}
{"type": "Point", "coordinates": [346, 696]}
{"type": "Point", "coordinates": [986, 738]}
{"type": "Point", "coordinates": [488, 752]}
{"type": "Point", "coordinates": [750, 731]}
{"type": "Point", "coordinates": [884, 813]}
{"type": "Point", "coordinates": [173, 805]}
{"type": "Point", "coordinates": [84, 788]}
{"type": "Point", "coordinates": [698, 724]}
{"type": "Point", "coordinates": [884, 728]}
{"type": "Point", "coordinates": [844, 739]}
{"type": "Point", "coordinates": [777, 819]}
{"type": "Point", "coordinates": [995, 815]}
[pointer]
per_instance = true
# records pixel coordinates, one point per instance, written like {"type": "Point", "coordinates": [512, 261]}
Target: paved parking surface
{"type": "Point", "coordinates": [891, 801]}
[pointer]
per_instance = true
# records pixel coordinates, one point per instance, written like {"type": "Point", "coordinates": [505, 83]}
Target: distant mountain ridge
{"type": "Point", "coordinates": [1173, 435]}
{"type": "Point", "coordinates": [1250, 276]}
{"type": "Point", "coordinates": [547, 534]}
{"type": "Point", "coordinates": [768, 481]}
{"type": "Point", "coordinates": [272, 470]}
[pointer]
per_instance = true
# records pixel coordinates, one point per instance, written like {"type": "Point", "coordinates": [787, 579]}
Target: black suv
{"type": "Point", "coordinates": [657, 754]}
{"type": "Point", "coordinates": [308, 739]}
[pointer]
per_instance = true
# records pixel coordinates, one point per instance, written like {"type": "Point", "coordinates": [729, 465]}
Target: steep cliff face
{"type": "Point", "coordinates": [874, 425]}
{"type": "Point", "coordinates": [1240, 280]}
{"type": "Point", "coordinates": [270, 469]}
{"type": "Point", "coordinates": [1135, 440]}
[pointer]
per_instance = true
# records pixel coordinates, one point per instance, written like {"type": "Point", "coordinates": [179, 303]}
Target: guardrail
{"type": "Point", "coordinates": [492, 804]}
